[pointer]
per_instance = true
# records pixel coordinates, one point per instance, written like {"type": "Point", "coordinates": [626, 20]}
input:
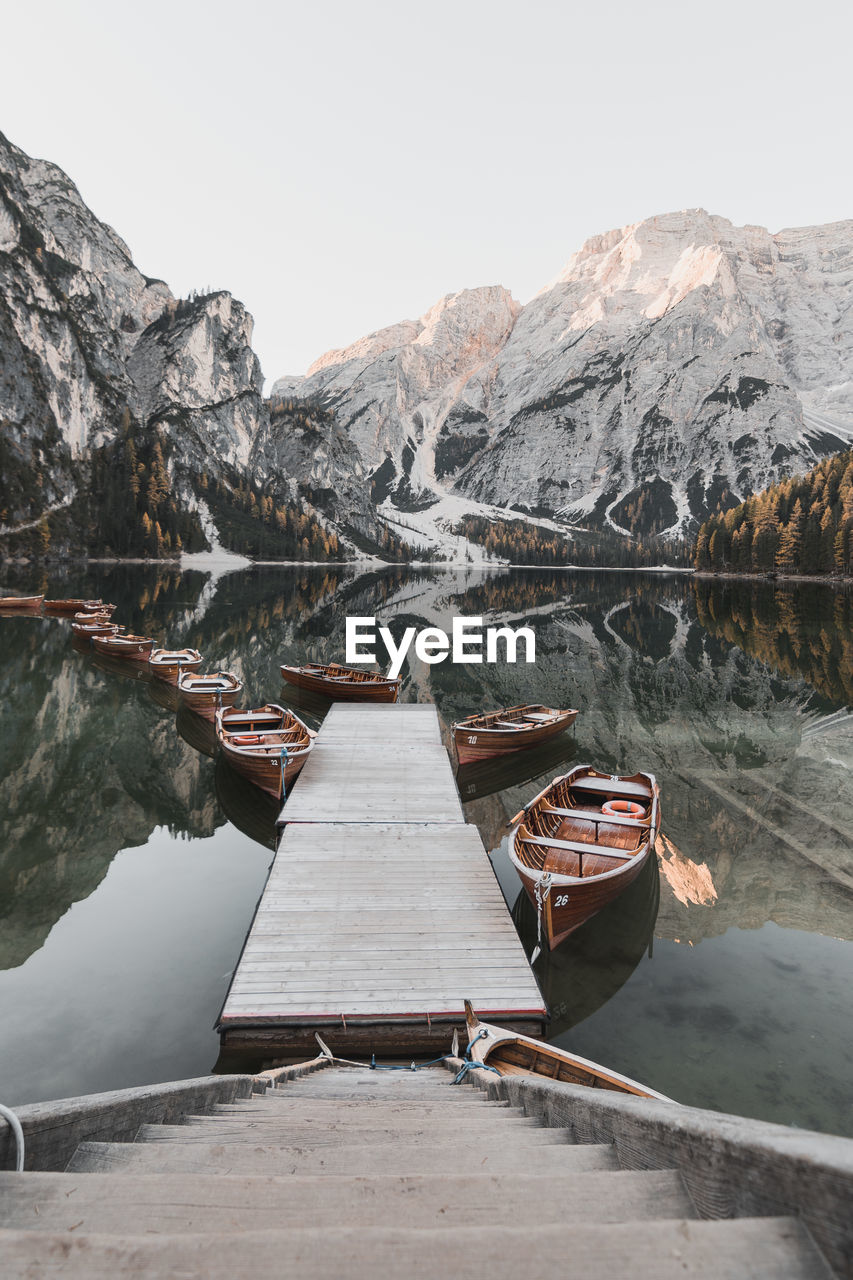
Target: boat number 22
{"type": "Point", "coordinates": [561, 900]}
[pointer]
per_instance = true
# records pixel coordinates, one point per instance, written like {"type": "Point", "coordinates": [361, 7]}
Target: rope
{"type": "Point", "coordinates": [282, 760]}
{"type": "Point", "coordinates": [468, 1064]}
{"type": "Point", "coordinates": [414, 1066]}
{"type": "Point", "coordinates": [15, 1126]}
{"type": "Point", "coordinates": [541, 891]}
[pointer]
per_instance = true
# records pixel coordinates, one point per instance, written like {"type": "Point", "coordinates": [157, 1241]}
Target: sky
{"type": "Point", "coordinates": [341, 166]}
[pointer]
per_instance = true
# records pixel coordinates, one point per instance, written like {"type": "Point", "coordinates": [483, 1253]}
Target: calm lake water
{"type": "Point", "coordinates": [131, 860]}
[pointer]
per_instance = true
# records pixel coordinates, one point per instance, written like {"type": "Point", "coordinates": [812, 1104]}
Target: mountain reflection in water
{"type": "Point", "coordinates": [734, 695]}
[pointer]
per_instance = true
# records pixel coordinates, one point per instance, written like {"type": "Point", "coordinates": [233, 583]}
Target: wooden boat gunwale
{"type": "Point", "coordinates": [484, 1038]}
{"type": "Point", "coordinates": [124, 644]}
{"type": "Point", "coordinates": [651, 824]}
{"type": "Point", "coordinates": [554, 716]}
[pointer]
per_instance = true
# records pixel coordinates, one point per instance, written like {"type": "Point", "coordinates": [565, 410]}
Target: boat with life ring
{"type": "Point", "coordinates": [580, 842]}
{"type": "Point", "coordinates": [168, 664]}
{"type": "Point", "coordinates": [206, 693]}
{"type": "Point", "coordinates": [268, 745]}
{"type": "Point", "coordinates": [494, 733]}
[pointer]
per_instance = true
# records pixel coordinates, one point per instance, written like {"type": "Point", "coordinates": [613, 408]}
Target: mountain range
{"type": "Point", "coordinates": [673, 366]}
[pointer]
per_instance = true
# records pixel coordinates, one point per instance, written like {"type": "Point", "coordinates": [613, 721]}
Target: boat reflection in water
{"type": "Point", "coordinates": [164, 694]}
{"type": "Point", "coordinates": [196, 730]}
{"type": "Point", "coordinates": [309, 706]}
{"type": "Point", "coordinates": [128, 670]}
{"type": "Point", "coordinates": [251, 810]}
{"type": "Point", "coordinates": [586, 970]}
{"type": "Point", "coordinates": [485, 777]}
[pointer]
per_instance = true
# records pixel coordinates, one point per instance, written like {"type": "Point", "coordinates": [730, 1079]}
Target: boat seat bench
{"type": "Point", "coordinates": [607, 785]}
{"type": "Point", "coordinates": [573, 846]}
{"type": "Point", "coordinates": [610, 820]}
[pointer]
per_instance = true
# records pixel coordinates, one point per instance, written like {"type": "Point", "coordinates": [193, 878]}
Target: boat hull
{"type": "Point", "coordinates": [474, 743]}
{"type": "Point", "coordinates": [575, 852]}
{"type": "Point", "coordinates": [167, 666]}
{"type": "Point", "coordinates": [379, 690]}
{"type": "Point", "coordinates": [21, 604]}
{"type": "Point", "coordinates": [207, 700]}
{"type": "Point", "coordinates": [274, 761]}
{"type": "Point", "coordinates": [566, 908]}
{"type": "Point", "coordinates": [73, 606]}
{"type": "Point", "coordinates": [127, 648]}
{"type": "Point", "coordinates": [511, 1054]}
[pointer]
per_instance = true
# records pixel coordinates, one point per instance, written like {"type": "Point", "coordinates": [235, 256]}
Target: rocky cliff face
{"type": "Point", "coordinates": [392, 391]}
{"type": "Point", "coordinates": [670, 363]}
{"type": "Point", "coordinates": [90, 345]}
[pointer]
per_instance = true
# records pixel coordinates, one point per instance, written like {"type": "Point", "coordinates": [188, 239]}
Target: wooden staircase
{"type": "Point", "coordinates": [352, 1172]}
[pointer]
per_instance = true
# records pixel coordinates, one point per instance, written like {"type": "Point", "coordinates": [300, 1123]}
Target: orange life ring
{"type": "Point", "coordinates": [623, 809]}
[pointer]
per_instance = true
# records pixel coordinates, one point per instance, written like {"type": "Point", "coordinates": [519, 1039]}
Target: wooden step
{"type": "Point", "coordinates": [284, 1104]}
{"type": "Point", "coordinates": [194, 1202]}
{"type": "Point", "coordinates": [293, 1132]}
{"type": "Point", "coordinates": [509, 1154]}
{"type": "Point", "coordinates": [757, 1248]}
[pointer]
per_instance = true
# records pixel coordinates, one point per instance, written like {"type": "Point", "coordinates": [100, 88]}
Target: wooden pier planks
{"type": "Point", "coordinates": [376, 763]}
{"type": "Point", "coordinates": [381, 913]}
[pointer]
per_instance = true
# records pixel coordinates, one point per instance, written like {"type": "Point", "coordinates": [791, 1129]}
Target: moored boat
{"type": "Point", "coordinates": [21, 603]}
{"type": "Point", "coordinates": [167, 664]}
{"type": "Point", "coordinates": [495, 733]}
{"type": "Point", "coordinates": [268, 745]}
{"type": "Point", "coordinates": [581, 841]}
{"type": "Point", "coordinates": [124, 645]}
{"type": "Point", "coordinates": [205, 694]}
{"type": "Point", "coordinates": [339, 683]}
{"type": "Point", "coordinates": [75, 606]}
{"type": "Point", "coordinates": [511, 1054]}
{"type": "Point", "coordinates": [94, 624]}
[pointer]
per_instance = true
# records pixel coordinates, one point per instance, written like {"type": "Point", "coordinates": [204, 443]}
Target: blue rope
{"type": "Point", "coordinates": [468, 1063]}
{"type": "Point", "coordinates": [414, 1066]}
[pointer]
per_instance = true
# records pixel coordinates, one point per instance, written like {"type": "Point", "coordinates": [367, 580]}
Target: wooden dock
{"type": "Point", "coordinates": [381, 913]}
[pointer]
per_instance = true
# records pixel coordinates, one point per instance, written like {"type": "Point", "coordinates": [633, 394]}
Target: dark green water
{"type": "Point", "coordinates": [131, 860]}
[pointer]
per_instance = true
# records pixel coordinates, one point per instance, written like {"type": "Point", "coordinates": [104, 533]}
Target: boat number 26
{"type": "Point", "coordinates": [561, 900]}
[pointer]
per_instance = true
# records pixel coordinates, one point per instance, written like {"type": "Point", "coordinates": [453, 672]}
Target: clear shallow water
{"type": "Point", "coordinates": [131, 862]}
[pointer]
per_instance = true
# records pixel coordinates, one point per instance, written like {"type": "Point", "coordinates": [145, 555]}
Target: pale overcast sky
{"type": "Point", "coordinates": [341, 166]}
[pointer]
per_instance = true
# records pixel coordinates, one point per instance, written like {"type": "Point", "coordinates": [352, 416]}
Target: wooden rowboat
{"type": "Point", "coordinates": [343, 683]}
{"type": "Point", "coordinates": [205, 694]}
{"type": "Point", "coordinates": [74, 606]}
{"type": "Point", "coordinates": [94, 624]}
{"type": "Point", "coordinates": [124, 645]}
{"type": "Point", "coordinates": [580, 842]}
{"type": "Point", "coordinates": [513, 1055]}
{"type": "Point", "coordinates": [268, 745]}
{"type": "Point", "coordinates": [21, 602]}
{"type": "Point", "coordinates": [167, 664]}
{"type": "Point", "coordinates": [481, 736]}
